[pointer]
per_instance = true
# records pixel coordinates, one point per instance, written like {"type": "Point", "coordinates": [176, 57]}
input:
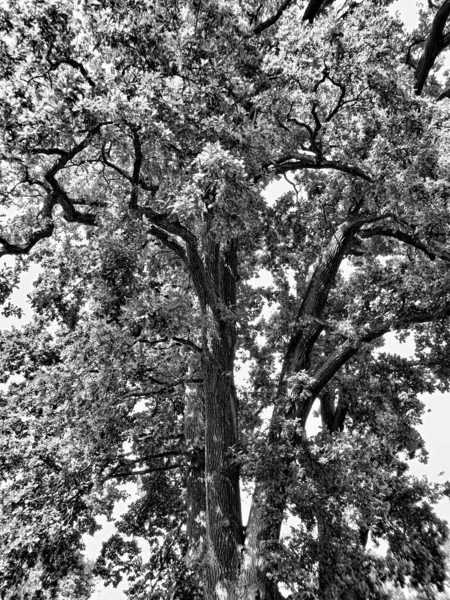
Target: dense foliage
{"type": "Point", "coordinates": [186, 321]}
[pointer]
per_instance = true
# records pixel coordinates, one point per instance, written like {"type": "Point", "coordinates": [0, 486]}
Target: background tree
{"type": "Point", "coordinates": [137, 141]}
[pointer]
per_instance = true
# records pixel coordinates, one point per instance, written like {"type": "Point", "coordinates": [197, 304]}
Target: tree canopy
{"type": "Point", "coordinates": [138, 141]}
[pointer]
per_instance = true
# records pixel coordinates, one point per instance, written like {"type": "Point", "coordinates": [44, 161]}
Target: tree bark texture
{"type": "Point", "coordinates": [224, 531]}
{"type": "Point", "coordinates": [437, 41]}
{"type": "Point", "coordinates": [223, 505]}
{"type": "Point", "coordinates": [194, 431]}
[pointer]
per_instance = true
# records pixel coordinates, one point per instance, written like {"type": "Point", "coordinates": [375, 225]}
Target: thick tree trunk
{"type": "Point", "coordinates": [224, 533]}
{"type": "Point", "coordinates": [194, 431]}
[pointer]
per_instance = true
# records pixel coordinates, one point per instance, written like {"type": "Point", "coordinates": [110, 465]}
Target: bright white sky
{"type": "Point", "coordinates": [435, 423]}
{"type": "Point", "coordinates": [408, 11]}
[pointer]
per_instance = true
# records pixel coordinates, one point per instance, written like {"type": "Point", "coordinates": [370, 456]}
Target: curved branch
{"type": "Point", "coordinates": [408, 239]}
{"type": "Point", "coordinates": [59, 194]}
{"type": "Point", "coordinates": [75, 65]}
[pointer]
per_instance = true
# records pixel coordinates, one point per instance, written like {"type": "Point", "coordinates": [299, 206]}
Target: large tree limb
{"type": "Point", "coordinates": [434, 45]}
{"type": "Point", "coordinates": [34, 238]}
{"type": "Point", "coordinates": [298, 162]}
{"type": "Point", "coordinates": [274, 18]}
{"type": "Point", "coordinates": [167, 227]}
{"type": "Point", "coordinates": [407, 238]}
{"type": "Point", "coordinates": [323, 374]}
{"type": "Point", "coordinates": [309, 324]}
{"type": "Point", "coordinates": [314, 8]}
{"type": "Point", "coordinates": [59, 194]}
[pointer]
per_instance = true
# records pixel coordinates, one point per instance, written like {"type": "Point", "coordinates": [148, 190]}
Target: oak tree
{"type": "Point", "coordinates": [139, 139]}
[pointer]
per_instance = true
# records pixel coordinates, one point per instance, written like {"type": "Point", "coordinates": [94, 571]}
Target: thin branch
{"type": "Point", "coordinates": [136, 179]}
{"type": "Point", "coordinates": [166, 385]}
{"type": "Point", "coordinates": [340, 103]}
{"type": "Point", "coordinates": [77, 65]}
{"type": "Point", "coordinates": [133, 461]}
{"type": "Point", "coordinates": [49, 151]}
{"type": "Point", "coordinates": [150, 342]}
{"type": "Point", "coordinates": [145, 471]}
{"type": "Point", "coordinates": [408, 59]}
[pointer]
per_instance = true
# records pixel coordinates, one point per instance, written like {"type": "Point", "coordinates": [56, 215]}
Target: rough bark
{"type": "Point", "coordinates": [224, 531]}
{"type": "Point", "coordinates": [436, 42]}
{"type": "Point", "coordinates": [314, 8]}
{"type": "Point", "coordinates": [223, 507]}
{"type": "Point", "coordinates": [194, 432]}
